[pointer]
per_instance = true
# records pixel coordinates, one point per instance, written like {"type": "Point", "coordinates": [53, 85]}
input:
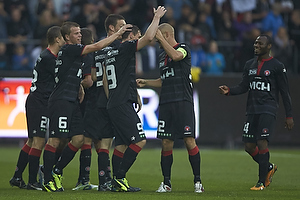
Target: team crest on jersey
{"type": "Point", "coordinates": [187, 128]}
{"type": "Point", "coordinates": [267, 72]}
{"type": "Point", "coordinates": [265, 130]}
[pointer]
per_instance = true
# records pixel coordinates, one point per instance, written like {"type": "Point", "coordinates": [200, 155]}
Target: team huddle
{"type": "Point", "coordinates": [85, 93]}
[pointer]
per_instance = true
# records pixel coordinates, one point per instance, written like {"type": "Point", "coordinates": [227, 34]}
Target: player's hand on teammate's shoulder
{"type": "Point", "coordinates": [160, 11]}
{"type": "Point", "coordinates": [223, 89]}
{"type": "Point", "coordinates": [289, 123]}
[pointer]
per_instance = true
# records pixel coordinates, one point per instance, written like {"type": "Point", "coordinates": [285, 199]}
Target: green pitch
{"type": "Point", "coordinates": [226, 174]}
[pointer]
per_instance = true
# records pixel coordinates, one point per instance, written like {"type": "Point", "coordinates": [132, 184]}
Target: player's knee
{"type": "Point", "coordinates": [167, 144]}
{"type": "Point", "coordinates": [250, 147]}
{"type": "Point", "coordinates": [141, 144]}
{"type": "Point", "coordinates": [29, 142]}
{"type": "Point", "coordinates": [54, 142]}
{"type": "Point", "coordinates": [190, 142]}
{"type": "Point", "coordinates": [78, 140]}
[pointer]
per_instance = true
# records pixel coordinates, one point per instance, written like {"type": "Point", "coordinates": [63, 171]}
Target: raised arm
{"type": "Point", "coordinates": [106, 41]}
{"type": "Point", "coordinates": [174, 54]}
{"type": "Point", "coordinates": [151, 30]}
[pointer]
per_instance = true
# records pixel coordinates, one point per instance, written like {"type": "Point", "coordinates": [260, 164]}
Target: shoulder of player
{"type": "Point", "coordinates": [182, 45]}
{"type": "Point", "coordinates": [46, 56]}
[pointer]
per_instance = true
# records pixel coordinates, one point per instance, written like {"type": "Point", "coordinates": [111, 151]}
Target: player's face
{"type": "Point", "coordinates": [260, 46]}
{"type": "Point", "coordinates": [75, 35]}
{"type": "Point", "coordinates": [119, 25]}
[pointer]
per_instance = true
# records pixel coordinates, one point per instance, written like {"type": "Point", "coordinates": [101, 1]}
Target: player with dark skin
{"type": "Point", "coordinates": [274, 84]}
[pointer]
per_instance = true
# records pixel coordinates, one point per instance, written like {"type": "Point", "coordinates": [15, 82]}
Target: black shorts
{"type": "Point", "coordinates": [176, 120]}
{"type": "Point", "coordinates": [97, 124]}
{"type": "Point", "coordinates": [258, 127]}
{"type": "Point", "coordinates": [36, 116]}
{"type": "Point", "coordinates": [65, 119]}
{"type": "Point", "coordinates": [127, 124]}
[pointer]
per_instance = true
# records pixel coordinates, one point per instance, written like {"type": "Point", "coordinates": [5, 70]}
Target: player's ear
{"type": "Point", "coordinates": [111, 28]}
{"type": "Point", "coordinates": [67, 37]}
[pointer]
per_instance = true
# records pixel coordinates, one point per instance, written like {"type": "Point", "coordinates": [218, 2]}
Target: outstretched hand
{"type": "Point", "coordinates": [223, 89]}
{"type": "Point", "coordinates": [160, 11]}
{"type": "Point", "coordinates": [141, 82]}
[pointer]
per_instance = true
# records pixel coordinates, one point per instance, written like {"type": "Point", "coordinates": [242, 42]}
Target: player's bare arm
{"type": "Point", "coordinates": [87, 82]}
{"type": "Point", "coordinates": [150, 83]}
{"type": "Point", "coordinates": [107, 41]}
{"type": "Point", "coordinates": [93, 74]}
{"type": "Point", "coordinates": [81, 94]}
{"type": "Point", "coordinates": [151, 30]}
{"type": "Point", "coordinates": [105, 83]}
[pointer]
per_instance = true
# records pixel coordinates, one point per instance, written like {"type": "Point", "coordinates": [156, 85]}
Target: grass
{"type": "Point", "coordinates": [226, 174]}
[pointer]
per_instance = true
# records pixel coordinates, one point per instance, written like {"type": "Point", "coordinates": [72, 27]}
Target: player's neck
{"type": "Point", "coordinates": [263, 57]}
{"type": "Point", "coordinates": [54, 49]}
{"type": "Point", "coordinates": [172, 42]}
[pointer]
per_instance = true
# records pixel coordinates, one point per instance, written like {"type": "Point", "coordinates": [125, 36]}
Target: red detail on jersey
{"type": "Point", "coordinates": [261, 64]}
{"type": "Point", "coordinates": [187, 128]}
{"type": "Point", "coordinates": [265, 130]}
{"type": "Point", "coordinates": [267, 72]}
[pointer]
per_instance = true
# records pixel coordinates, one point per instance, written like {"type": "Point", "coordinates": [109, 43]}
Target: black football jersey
{"type": "Point", "coordinates": [43, 75]}
{"type": "Point", "coordinates": [120, 72]}
{"type": "Point", "coordinates": [99, 59]}
{"type": "Point", "coordinates": [263, 83]}
{"type": "Point", "coordinates": [176, 77]}
{"type": "Point", "coordinates": [68, 73]}
{"type": "Point", "coordinates": [90, 93]}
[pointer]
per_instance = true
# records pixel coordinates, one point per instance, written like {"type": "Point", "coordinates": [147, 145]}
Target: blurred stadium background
{"type": "Point", "coordinates": [231, 24]}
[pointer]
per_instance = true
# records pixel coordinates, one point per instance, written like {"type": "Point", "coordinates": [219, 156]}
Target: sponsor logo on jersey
{"type": "Point", "coordinates": [110, 60]}
{"type": "Point", "coordinates": [113, 52]}
{"type": "Point", "coordinates": [267, 73]}
{"type": "Point", "coordinates": [161, 64]}
{"type": "Point", "coordinates": [258, 85]}
{"type": "Point", "coordinates": [252, 71]}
